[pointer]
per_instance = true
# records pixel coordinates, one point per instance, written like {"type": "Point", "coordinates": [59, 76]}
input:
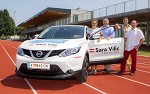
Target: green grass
{"type": "Point", "coordinates": [143, 50]}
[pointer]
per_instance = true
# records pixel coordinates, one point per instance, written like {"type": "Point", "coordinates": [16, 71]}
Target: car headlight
{"type": "Point", "coordinates": [70, 51]}
{"type": "Point", "coordinates": [20, 51]}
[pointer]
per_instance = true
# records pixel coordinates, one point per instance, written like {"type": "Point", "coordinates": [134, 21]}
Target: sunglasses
{"type": "Point", "coordinates": [94, 23]}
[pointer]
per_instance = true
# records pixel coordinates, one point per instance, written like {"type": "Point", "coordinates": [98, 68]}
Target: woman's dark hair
{"type": "Point", "coordinates": [94, 20]}
{"type": "Point", "coordinates": [125, 18]}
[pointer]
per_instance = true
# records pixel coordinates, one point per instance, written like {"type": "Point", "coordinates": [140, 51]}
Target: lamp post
{"type": "Point", "coordinates": [14, 22]}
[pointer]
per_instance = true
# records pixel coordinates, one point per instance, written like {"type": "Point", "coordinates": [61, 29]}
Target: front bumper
{"type": "Point", "coordinates": [64, 63]}
{"type": "Point", "coordinates": [54, 73]}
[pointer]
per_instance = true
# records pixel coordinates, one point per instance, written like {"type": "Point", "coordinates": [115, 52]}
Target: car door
{"type": "Point", "coordinates": [105, 49]}
{"type": "Point", "coordinates": [115, 47]}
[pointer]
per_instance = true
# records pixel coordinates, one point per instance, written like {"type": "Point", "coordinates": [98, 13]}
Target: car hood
{"type": "Point", "coordinates": [51, 44]}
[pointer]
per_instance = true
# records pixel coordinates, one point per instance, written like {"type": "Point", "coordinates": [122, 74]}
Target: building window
{"type": "Point", "coordinates": [75, 18]}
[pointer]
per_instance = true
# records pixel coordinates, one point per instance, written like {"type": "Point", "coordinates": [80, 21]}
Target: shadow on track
{"type": "Point", "coordinates": [38, 84]}
{"type": "Point", "coordinates": [113, 72]}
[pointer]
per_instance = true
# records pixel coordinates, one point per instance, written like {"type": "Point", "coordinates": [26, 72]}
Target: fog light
{"type": "Point", "coordinates": [70, 71]}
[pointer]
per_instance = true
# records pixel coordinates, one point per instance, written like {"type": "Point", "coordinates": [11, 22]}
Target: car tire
{"type": "Point", "coordinates": [82, 77]}
{"type": "Point", "coordinates": [16, 72]}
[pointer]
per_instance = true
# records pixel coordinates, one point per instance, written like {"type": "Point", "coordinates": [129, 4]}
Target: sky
{"type": "Point", "coordinates": [21, 10]}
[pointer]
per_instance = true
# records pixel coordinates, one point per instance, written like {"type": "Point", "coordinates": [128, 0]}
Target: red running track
{"type": "Point", "coordinates": [96, 84]}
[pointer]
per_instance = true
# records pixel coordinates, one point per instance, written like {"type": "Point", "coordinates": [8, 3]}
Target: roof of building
{"type": "Point", "coordinates": [45, 16]}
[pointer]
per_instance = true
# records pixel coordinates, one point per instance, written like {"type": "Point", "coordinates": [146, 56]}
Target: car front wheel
{"type": "Point", "coordinates": [82, 77]}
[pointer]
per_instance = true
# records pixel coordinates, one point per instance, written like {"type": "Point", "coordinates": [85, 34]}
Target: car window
{"type": "Point", "coordinates": [118, 33]}
{"type": "Point", "coordinates": [63, 32]}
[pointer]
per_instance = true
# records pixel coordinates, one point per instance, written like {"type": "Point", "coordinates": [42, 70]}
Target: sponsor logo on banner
{"type": "Point", "coordinates": [46, 43]}
{"type": "Point", "coordinates": [109, 50]}
{"type": "Point", "coordinates": [92, 50]}
{"type": "Point", "coordinates": [49, 41]}
{"type": "Point", "coordinates": [78, 57]}
{"type": "Point", "coordinates": [31, 44]}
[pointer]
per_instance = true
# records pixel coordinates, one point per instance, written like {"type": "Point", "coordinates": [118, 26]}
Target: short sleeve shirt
{"type": "Point", "coordinates": [133, 38]}
{"type": "Point", "coordinates": [125, 30]}
{"type": "Point", "coordinates": [91, 31]}
{"type": "Point", "coordinates": [108, 32]}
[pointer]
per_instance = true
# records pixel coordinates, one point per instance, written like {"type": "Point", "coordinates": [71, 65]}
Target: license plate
{"type": "Point", "coordinates": [38, 66]}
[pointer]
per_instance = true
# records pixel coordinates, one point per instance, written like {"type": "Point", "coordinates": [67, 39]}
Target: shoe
{"type": "Point", "coordinates": [104, 69]}
{"type": "Point", "coordinates": [120, 73]}
{"type": "Point", "coordinates": [129, 67]}
{"type": "Point", "coordinates": [95, 72]}
{"type": "Point", "coordinates": [132, 73]}
{"type": "Point", "coordinates": [108, 72]}
{"type": "Point", "coordinates": [91, 72]}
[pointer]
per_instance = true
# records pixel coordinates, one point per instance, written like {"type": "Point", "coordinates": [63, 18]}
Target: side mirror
{"type": "Point", "coordinates": [35, 36]}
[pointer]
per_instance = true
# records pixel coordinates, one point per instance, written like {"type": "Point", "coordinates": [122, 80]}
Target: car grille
{"type": "Point", "coordinates": [26, 52]}
{"type": "Point", "coordinates": [54, 70]}
{"type": "Point", "coordinates": [33, 52]}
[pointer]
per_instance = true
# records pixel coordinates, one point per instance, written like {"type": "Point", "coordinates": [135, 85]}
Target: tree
{"type": "Point", "coordinates": [7, 25]}
{"type": "Point", "coordinates": [19, 30]}
{"type": "Point", "coordinates": [1, 23]}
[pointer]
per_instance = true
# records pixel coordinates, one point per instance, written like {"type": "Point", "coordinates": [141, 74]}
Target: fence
{"type": "Point", "coordinates": [127, 6]}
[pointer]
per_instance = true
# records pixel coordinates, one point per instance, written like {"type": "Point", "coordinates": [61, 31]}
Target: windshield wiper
{"type": "Point", "coordinates": [40, 38]}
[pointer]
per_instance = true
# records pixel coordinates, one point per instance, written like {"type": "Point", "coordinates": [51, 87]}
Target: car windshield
{"type": "Point", "coordinates": [63, 32]}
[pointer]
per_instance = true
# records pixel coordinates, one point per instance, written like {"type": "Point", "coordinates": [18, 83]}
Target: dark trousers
{"type": "Point", "coordinates": [133, 53]}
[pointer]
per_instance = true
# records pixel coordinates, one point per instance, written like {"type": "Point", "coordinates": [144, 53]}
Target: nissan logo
{"type": "Point", "coordinates": [39, 53]}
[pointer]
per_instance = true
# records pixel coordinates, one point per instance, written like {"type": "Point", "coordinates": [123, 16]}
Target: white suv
{"type": "Point", "coordinates": [65, 51]}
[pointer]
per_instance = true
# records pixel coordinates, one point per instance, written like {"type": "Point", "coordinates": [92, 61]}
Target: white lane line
{"type": "Point", "coordinates": [15, 65]}
{"type": "Point", "coordinates": [8, 54]}
{"type": "Point", "coordinates": [138, 64]}
{"type": "Point", "coordinates": [145, 60]}
{"type": "Point", "coordinates": [143, 71]}
{"type": "Point", "coordinates": [143, 64]}
{"type": "Point", "coordinates": [132, 80]}
{"type": "Point", "coordinates": [94, 88]}
{"type": "Point", "coordinates": [144, 55]}
{"type": "Point", "coordinates": [83, 83]}
{"type": "Point", "coordinates": [15, 43]}
{"type": "Point", "coordinates": [136, 69]}
{"type": "Point", "coordinates": [10, 45]}
{"type": "Point", "coordinates": [142, 58]}
{"type": "Point", "coordinates": [30, 86]}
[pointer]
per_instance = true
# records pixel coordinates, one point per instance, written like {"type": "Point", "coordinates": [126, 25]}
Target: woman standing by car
{"type": "Point", "coordinates": [91, 31]}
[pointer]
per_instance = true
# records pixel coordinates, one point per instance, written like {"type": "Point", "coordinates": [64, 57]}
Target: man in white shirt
{"type": "Point", "coordinates": [133, 40]}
